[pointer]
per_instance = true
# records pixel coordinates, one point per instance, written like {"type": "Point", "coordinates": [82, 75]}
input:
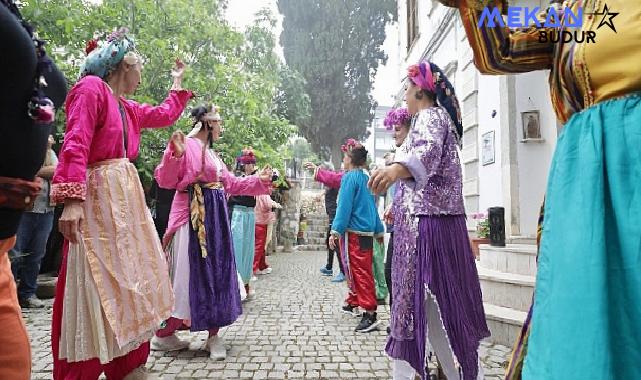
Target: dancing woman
{"type": "Point", "coordinates": [202, 254]}
{"type": "Point", "coordinates": [113, 288]}
{"type": "Point", "coordinates": [398, 121]}
{"type": "Point", "coordinates": [437, 295]}
{"type": "Point", "coordinates": [243, 223]}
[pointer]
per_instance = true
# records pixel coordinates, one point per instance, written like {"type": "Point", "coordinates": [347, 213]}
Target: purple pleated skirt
{"type": "Point", "coordinates": [214, 297]}
{"type": "Point", "coordinates": [445, 270]}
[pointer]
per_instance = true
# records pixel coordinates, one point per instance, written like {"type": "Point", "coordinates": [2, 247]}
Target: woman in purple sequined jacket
{"type": "Point", "coordinates": [436, 290]}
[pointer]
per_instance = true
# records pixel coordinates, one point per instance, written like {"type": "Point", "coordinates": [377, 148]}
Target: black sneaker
{"type": "Point", "coordinates": [351, 310]}
{"type": "Point", "coordinates": [368, 323]}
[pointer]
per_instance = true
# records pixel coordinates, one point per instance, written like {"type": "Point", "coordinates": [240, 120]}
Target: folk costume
{"type": "Point", "coordinates": [437, 295]}
{"type": "Point", "coordinates": [585, 312]}
{"type": "Point", "coordinates": [201, 254]}
{"type": "Point", "coordinates": [113, 288]}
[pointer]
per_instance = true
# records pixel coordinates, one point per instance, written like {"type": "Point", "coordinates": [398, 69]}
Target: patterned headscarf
{"type": "Point", "coordinates": [103, 60]}
{"type": "Point", "coordinates": [430, 77]}
{"type": "Point", "coordinates": [397, 116]}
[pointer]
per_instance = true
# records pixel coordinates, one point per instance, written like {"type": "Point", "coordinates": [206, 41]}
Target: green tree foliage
{"type": "Point", "coordinates": [336, 47]}
{"type": "Point", "coordinates": [237, 71]}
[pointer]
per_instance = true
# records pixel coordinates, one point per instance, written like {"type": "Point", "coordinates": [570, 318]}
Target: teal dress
{"type": "Point", "coordinates": [587, 303]}
{"type": "Point", "coordinates": [586, 318]}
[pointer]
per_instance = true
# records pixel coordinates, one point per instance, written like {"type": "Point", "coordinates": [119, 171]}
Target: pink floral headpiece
{"type": "Point", "coordinates": [421, 75]}
{"type": "Point", "coordinates": [397, 116]}
{"type": "Point", "coordinates": [350, 144]}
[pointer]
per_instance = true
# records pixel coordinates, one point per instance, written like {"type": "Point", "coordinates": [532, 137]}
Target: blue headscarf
{"type": "Point", "coordinates": [104, 60]}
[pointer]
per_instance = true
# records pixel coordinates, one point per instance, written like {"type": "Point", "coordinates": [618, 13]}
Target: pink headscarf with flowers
{"type": "Point", "coordinates": [421, 75]}
{"type": "Point", "coordinates": [350, 144]}
{"type": "Point", "coordinates": [428, 76]}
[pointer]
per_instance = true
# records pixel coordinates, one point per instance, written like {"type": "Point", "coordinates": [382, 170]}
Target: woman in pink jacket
{"type": "Point", "coordinates": [202, 254]}
{"type": "Point", "coordinates": [113, 289]}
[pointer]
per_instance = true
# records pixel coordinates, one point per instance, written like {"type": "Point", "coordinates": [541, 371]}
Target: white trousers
{"type": "Point", "coordinates": [437, 340]}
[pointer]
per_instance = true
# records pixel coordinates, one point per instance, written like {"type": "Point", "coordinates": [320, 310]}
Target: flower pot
{"type": "Point", "coordinates": [475, 245]}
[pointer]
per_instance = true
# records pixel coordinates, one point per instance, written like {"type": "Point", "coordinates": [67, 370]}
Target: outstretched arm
{"type": "Point", "coordinates": [328, 178]}
{"type": "Point", "coordinates": [250, 185]}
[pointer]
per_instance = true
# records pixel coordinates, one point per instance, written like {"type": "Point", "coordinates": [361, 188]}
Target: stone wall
{"type": "Point", "coordinates": [290, 215]}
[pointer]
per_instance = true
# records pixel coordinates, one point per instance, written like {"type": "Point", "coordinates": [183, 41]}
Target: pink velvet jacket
{"type": "Point", "coordinates": [263, 210]}
{"type": "Point", "coordinates": [179, 173]}
{"type": "Point", "coordinates": [95, 131]}
{"type": "Point", "coordinates": [329, 178]}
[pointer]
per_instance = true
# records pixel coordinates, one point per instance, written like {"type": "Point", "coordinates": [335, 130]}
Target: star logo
{"type": "Point", "coordinates": [606, 18]}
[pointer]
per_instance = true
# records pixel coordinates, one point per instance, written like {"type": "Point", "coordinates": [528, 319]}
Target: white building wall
{"type": "Point", "coordinates": [491, 175]}
{"type": "Point", "coordinates": [534, 158]}
{"type": "Point", "coordinates": [442, 39]}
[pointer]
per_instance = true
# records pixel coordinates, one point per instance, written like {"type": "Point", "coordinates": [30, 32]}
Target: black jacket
{"type": "Point", "coordinates": [331, 195]}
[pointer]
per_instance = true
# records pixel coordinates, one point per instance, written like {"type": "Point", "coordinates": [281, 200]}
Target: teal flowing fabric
{"type": "Point", "coordinates": [243, 234]}
{"type": "Point", "coordinates": [586, 321]}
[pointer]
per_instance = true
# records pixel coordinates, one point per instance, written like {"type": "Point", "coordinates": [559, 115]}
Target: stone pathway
{"type": "Point", "coordinates": [292, 330]}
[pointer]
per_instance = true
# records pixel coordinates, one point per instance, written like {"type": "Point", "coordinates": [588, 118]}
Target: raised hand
{"type": "Point", "coordinates": [310, 166]}
{"type": "Point", "coordinates": [266, 174]}
{"type": "Point", "coordinates": [178, 69]}
{"type": "Point", "coordinates": [178, 143]}
{"type": "Point", "coordinates": [177, 72]}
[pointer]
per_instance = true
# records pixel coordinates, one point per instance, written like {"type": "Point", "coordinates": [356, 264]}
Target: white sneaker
{"type": "Point", "coordinates": [170, 343]}
{"type": "Point", "coordinates": [267, 271]}
{"type": "Point", "coordinates": [250, 295]}
{"type": "Point", "coordinates": [216, 348]}
{"type": "Point", "coordinates": [254, 278]}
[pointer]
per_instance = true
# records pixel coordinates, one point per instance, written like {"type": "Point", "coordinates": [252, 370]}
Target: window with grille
{"type": "Point", "coordinates": [412, 22]}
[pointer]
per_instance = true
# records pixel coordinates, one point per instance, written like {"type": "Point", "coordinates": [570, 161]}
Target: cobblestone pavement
{"type": "Point", "coordinates": [291, 330]}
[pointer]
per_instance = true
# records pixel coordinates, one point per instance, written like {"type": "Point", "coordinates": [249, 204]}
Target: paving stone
{"type": "Point", "coordinates": [292, 329]}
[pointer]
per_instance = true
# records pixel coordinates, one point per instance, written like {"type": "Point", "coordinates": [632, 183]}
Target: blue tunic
{"type": "Point", "coordinates": [356, 211]}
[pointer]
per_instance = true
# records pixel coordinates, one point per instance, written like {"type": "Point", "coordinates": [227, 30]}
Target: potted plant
{"type": "Point", "coordinates": [482, 233]}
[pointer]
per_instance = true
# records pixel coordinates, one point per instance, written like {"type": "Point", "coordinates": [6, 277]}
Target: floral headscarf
{"type": "Point", "coordinates": [350, 144]}
{"type": "Point", "coordinates": [103, 60]}
{"type": "Point", "coordinates": [430, 77]}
